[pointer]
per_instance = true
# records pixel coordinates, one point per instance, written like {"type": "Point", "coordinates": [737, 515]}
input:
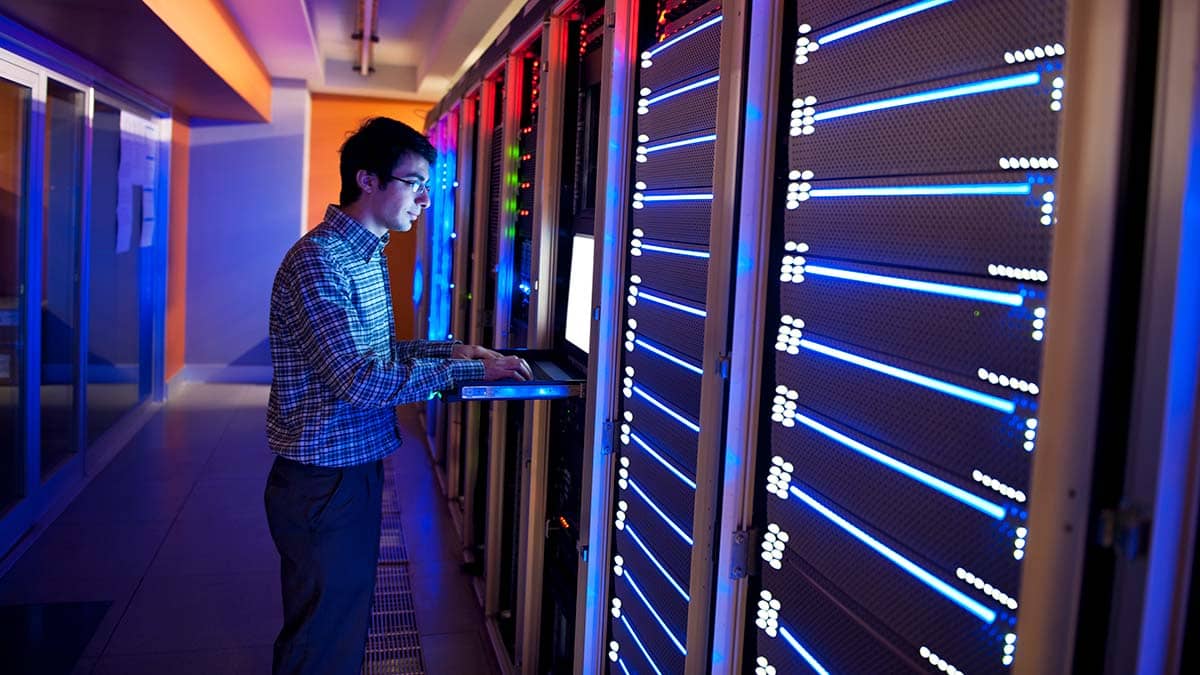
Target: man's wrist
{"type": "Point", "coordinates": [441, 349]}
{"type": "Point", "coordinates": [466, 370]}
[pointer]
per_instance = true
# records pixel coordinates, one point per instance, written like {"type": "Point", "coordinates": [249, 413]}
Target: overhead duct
{"type": "Point", "coordinates": [366, 32]}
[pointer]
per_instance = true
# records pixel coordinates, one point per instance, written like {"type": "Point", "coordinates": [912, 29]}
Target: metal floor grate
{"type": "Point", "coordinates": [393, 644]}
{"type": "Point", "coordinates": [391, 539]}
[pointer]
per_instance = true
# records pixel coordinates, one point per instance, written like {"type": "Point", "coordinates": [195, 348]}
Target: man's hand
{"type": "Point", "coordinates": [472, 352]}
{"type": "Point", "coordinates": [506, 368]}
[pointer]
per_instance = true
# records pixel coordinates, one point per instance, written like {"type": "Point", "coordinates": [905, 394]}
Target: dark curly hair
{"type": "Point", "coordinates": [376, 147]}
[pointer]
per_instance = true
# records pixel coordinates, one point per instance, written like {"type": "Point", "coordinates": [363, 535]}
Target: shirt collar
{"type": "Point", "coordinates": [361, 241]}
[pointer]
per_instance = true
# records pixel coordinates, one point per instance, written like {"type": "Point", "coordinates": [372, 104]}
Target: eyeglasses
{"type": "Point", "coordinates": [417, 186]}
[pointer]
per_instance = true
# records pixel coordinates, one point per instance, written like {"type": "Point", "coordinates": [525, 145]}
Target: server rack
{"type": "Point", "coordinates": [484, 253]}
{"type": "Point", "coordinates": [680, 60]}
{"type": "Point", "coordinates": [516, 165]}
{"type": "Point", "coordinates": [879, 261]}
{"type": "Point", "coordinates": [904, 309]}
{"type": "Point", "coordinates": [908, 318]}
{"type": "Point", "coordinates": [461, 296]}
{"type": "Point", "coordinates": [433, 276]}
{"type": "Point", "coordinates": [553, 450]}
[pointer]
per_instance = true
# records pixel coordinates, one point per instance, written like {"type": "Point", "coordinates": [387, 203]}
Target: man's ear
{"type": "Point", "coordinates": [367, 181]}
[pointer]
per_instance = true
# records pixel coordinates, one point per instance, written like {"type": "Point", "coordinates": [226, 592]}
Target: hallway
{"type": "Point", "coordinates": [164, 562]}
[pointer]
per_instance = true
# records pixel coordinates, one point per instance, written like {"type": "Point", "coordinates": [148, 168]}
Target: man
{"type": "Point", "coordinates": [338, 372]}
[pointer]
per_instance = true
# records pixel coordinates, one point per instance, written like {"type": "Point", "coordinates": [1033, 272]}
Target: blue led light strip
{"type": "Point", "coordinates": [986, 400]}
{"type": "Point", "coordinates": [1010, 299]}
{"type": "Point", "coordinates": [667, 575]}
{"type": "Point", "coordinates": [946, 590]}
{"type": "Point", "coordinates": [663, 407]}
{"type": "Point", "coordinates": [661, 514]}
{"type": "Point", "coordinates": [984, 189]}
{"type": "Point", "coordinates": [982, 505]}
{"type": "Point", "coordinates": [804, 653]}
{"type": "Point", "coordinates": [684, 35]}
{"type": "Point", "coordinates": [679, 144]}
{"type": "Point", "coordinates": [670, 357]}
{"type": "Point", "coordinates": [997, 84]}
{"type": "Point", "coordinates": [638, 641]}
{"type": "Point", "coordinates": [675, 251]}
{"type": "Point", "coordinates": [880, 20]}
{"type": "Point", "coordinates": [645, 601]}
{"type": "Point", "coordinates": [621, 662]}
{"type": "Point", "coordinates": [679, 474]}
{"type": "Point", "coordinates": [686, 197]}
{"type": "Point", "coordinates": [642, 295]}
{"type": "Point", "coordinates": [686, 88]}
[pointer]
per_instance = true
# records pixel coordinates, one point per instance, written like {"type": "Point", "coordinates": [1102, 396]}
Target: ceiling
{"type": "Point", "coordinates": [424, 45]}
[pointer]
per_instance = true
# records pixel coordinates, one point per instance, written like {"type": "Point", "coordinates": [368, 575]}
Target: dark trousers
{"type": "Point", "coordinates": [325, 523]}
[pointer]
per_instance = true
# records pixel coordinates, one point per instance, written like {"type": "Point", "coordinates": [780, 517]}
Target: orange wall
{"type": "Point", "coordinates": [210, 30]}
{"type": "Point", "coordinates": [333, 119]}
{"type": "Point", "coordinates": [177, 247]}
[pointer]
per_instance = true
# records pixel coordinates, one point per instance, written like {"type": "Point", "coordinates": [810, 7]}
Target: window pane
{"type": "Point", "coordinates": [62, 196]}
{"type": "Point", "coordinates": [117, 356]}
{"type": "Point", "coordinates": [14, 126]}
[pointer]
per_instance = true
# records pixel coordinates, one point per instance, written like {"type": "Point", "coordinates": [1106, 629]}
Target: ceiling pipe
{"type": "Point", "coordinates": [368, 17]}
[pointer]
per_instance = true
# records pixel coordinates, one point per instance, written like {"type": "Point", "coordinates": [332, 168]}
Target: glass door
{"type": "Point", "coordinates": [81, 290]}
{"type": "Point", "coordinates": [62, 204]}
{"type": "Point", "coordinates": [124, 155]}
{"type": "Point", "coordinates": [17, 88]}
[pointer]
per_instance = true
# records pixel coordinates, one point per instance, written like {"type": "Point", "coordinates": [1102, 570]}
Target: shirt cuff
{"type": "Point", "coordinates": [465, 370]}
{"type": "Point", "coordinates": [440, 349]}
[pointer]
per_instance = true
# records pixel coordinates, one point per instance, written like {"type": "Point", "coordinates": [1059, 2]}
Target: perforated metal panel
{"type": "Point", "coordinates": [663, 327]}
{"type": "Point", "coordinates": [911, 244]}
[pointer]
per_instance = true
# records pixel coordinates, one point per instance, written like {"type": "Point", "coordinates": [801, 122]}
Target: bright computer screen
{"type": "Point", "coordinates": [579, 292]}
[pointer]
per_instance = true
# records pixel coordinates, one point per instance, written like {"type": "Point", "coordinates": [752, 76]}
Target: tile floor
{"type": "Point", "coordinates": [172, 532]}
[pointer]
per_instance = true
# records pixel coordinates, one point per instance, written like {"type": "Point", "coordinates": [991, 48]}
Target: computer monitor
{"type": "Point", "coordinates": [579, 292]}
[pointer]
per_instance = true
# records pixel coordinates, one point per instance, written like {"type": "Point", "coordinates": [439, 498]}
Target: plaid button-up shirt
{"type": "Point", "coordinates": [338, 370]}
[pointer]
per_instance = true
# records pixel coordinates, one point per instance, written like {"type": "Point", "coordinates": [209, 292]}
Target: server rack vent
{"type": "Point", "coordinates": [663, 326]}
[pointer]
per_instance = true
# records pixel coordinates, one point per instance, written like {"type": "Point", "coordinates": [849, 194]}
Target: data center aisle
{"type": "Point", "coordinates": [164, 563]}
